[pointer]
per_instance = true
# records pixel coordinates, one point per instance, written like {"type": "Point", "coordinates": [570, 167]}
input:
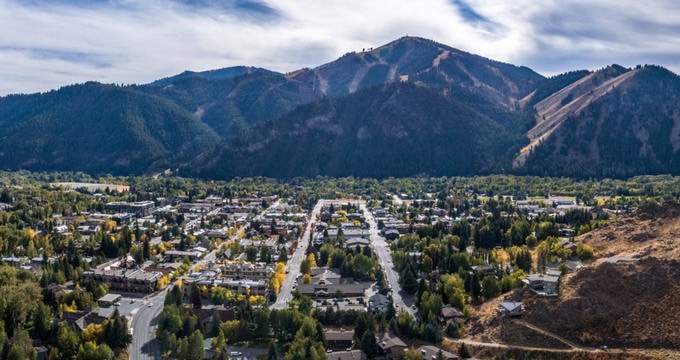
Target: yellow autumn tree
{"type": "Point", "coordinates": [275, 285]}
{"type": "Point", "coordinates": [163, 282]}
{"type": "Point", "coordinates": [93, 332]}
{"type": "Point", "coordinates": [312, 260]}
{"type": "Point", "coordinates": [306, 279]}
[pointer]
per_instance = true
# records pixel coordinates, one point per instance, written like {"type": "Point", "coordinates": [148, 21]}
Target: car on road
{"type": "Point", "coordinates": [150, 305]}
{"type": "Point", "coordinates": [235, 353]}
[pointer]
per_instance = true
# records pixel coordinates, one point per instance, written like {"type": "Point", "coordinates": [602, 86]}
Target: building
{"type": "Point", "coordinates": [511, 308]}
{"type": "Point", "coordinates": [120, 279]}
{"type": "Point", "coordinates": [247, 270]}
{"type": "Point", "coordinates": [430, 352]}
{"type": "Point", "coordinates": [346, 355]}
{"type": "Point", "coordinates": [328, 282]}
{"type": "Point", "coordinates": [379, 303]}
{"type": "Point", "coordinates": [139, 208]}
{"type": "Point", "coordinates": [543, 284]}
{"type": "Point", "coordinates": [451, 315]}
{"type": "Point", "coordinates": [178, 255]}
{"type": "Point", "coordinates": [339, 339]}
{"type": "Point", "coordinates": [392, 347]}
{"type": "Point", "coordinates": [109, 299]}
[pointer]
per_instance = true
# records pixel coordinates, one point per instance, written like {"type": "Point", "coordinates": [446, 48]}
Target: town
{"type": "Point", "coordinates": [282, 276]}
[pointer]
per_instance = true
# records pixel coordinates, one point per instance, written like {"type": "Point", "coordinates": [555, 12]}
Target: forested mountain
{"type": "Point", "coordinates": [97, 128]}
{"type": "Point", "coordinates": [397, 129]}
{"type": "Point", "coordinates": [626, 123]}
{"type": "Point", "coordinates": [410, 107]}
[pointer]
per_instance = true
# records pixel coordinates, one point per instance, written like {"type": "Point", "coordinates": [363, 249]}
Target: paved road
{"type": "Point", "coordinates": [401, 300]}
{"type": "Point", "coordinates": [293, 264]}
{"type": "Point", "coordinates": [144, 345]}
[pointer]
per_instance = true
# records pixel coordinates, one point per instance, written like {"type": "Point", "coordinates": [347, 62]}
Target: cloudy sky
{"type": "Point", "coordinates": [46, 44]}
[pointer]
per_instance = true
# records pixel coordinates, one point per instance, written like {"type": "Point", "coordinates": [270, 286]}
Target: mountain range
{"type": "Point", "coordinates": [412, 107]}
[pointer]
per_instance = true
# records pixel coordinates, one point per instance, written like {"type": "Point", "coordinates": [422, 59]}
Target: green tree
{"type": "Point", "coordinates": [251, 253]}
{"type": "Point", "coordinates": [42, 321]}
{"type": "Point", "coordinates": [463, 351]}
{"type": "Point", "coordinates": [308, 343]}
{"type": "Point", "coordinates": [116, 332]}
{"type": "Point", "coordinates": [369, 345]}
{"type": "Point", "coordinates": [490, 287]}
{"type": "Point", "coordinates": [67, 342]}
{"type": "Point", "coordinates": [196, 296]}
{"type": "Point", "coordinates": [191, 347]}
{"type": "Point", "coordinates": [584, 252]}
{"type": "Point", "coordinates": [92, 351]}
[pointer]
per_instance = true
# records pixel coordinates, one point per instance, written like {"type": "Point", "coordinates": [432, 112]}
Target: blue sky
{"type": "Point", "coordinates": [46, 44]}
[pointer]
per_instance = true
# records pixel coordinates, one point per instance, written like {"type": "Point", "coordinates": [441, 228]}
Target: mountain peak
{"type": "Point", "coordinates": [216, 74]}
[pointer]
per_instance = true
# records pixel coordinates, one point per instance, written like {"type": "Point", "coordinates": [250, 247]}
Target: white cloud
{"type": "Point", "coordinates": [45, 45]}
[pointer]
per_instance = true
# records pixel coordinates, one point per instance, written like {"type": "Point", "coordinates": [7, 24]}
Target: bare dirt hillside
{"type": "Point", "coordinates": [651, 231]}
{"type": "Point", "coordinates": [624, 303]}
{"type": "Point", "coordinates": [633, 303]}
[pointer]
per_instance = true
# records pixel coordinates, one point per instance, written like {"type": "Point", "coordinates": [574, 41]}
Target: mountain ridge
{"type": "Point", "coordinates": [614, 122]}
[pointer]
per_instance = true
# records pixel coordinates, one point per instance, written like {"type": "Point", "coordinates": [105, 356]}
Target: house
{"type": "Point", "coordinates": [487, 270]}
{"type": "Point", "coordinates": [543, 284]}
{"type": "Point", "coordinates": [58, 291]}
{"type": "Point", "coordinates": [352, 243]}
{"type": "Point", "coordinates": [346, 355]}
{"type": "Point", "coordinates": [392, 234]}
{"type": "Point", "coordinates": [430, 352]}
{"type": "Point", "coordinates": [174, 255]}
{"type": "Point", "coordinates": [574, 265]}
{"type": "Point", "coordinates": [392, 347]}
{"type": "Point", "coordinates": [511, 308]}
{"type": "Point", "coordinates": [81, 319]}
{"type": "Point", "coordinates": [206, 315]}
{"type": "Point", "coordinates": [339, 339]}
{"type": "Point", "coordinates": [450, 314]}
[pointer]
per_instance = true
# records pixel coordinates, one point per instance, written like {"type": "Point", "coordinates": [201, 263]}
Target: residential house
{"type": "Point", "coordinates": [543, 284]}
{"type": "Point", "coordinates": [430, 352]}
{"type": "Point", "coordinates": [178, 255]}
{"type": "Point", "coordinates": [392, 347]}
{"type": "Point", "coordinates": [392, 234]}
{"type": "Point", "coordinates": [352, 243]}
{"type": "Point", "coordinates": [206, 315]}
{"type": "Point", "coordinates": [346, 355]}
{"type": "Point", "coordinates": [511, 308]}
{"type": "Point", "coordinates": [339, 339]}
{"type": "Point", "coordinates": [451, 315]}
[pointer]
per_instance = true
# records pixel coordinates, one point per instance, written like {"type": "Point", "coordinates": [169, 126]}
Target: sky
{"type": "Point", "coordinates": [46, 44]}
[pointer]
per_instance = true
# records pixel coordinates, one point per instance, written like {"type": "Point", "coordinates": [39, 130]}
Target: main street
{"type": "Point", "coordinates": [400, 300]}
{"type": "Point", "coordinates": [144, 345]}
{"type": "Point", "coordinates": [293, 264]}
